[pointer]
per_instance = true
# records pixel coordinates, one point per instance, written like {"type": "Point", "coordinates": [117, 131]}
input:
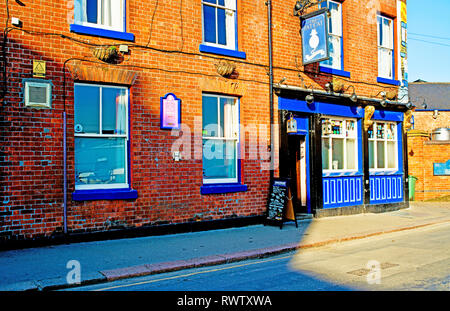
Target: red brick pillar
{"type": "Point", "coordinates": [416, 161]}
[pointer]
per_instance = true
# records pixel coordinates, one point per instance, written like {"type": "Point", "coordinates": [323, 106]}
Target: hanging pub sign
{"type": "Point", "coordinates": [170, 112]}
{"type": "Point", "coordinates": [314, 36]}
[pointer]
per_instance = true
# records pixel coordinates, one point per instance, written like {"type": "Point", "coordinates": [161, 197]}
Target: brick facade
{"type": "Point", "coordinates": [423, 152]}
{"type": "Point", "coordinates": [424, 121]}
{"type": "Point", "coordinates": [164, 58]}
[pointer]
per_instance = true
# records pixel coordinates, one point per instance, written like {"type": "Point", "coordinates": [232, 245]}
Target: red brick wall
{"type": "Point", "coordinates": [422, 153]}
{"type": "Point", "coordinates": [423, 120]}
{"type": "Point", "coordinates": [31, 166]}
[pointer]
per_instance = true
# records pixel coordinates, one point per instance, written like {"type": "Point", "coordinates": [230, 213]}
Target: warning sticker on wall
{"type": "Point", "coordinates": [39, 68]}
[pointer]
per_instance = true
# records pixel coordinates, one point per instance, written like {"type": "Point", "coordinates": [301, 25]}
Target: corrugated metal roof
{"type": "Point", "coordinates": [436, 95]}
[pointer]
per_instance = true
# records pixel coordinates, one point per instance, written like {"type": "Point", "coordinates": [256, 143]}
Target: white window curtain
{"type": "Point", "coordinates": [385, 63]}
{"type": "Point", "coordinates": [106, 13]}
{"type": "Point", "coordinates": [113, 11]}
{"type": "Point", "coordinates": [335, 23]}
{"type": "Point", "coordinates": [230, 22]}
{"type": "Point", "coordinates": [386, 40]}
{"type": "Point", "coordinates": [335, 52]}
{"type": "Point", "coordinates": [121, 107]}
{"type": "Point", "coordinates": [109, 13]}
{"type": "Point", "coordinates": [80, 14]}
{"type": "Point", "coordinates": [385, 47]}
{"type": "Point", "coordinates": [229, 119]}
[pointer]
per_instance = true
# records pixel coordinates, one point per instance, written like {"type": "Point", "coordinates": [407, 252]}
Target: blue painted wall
{"type": "Point", "coordinates": [386, 189]}
{"type": "Point", "coordinates": [342, 191]}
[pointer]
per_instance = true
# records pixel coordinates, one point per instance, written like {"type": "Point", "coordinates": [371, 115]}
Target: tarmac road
{"type": "Point", "coordinates": [416, 259]}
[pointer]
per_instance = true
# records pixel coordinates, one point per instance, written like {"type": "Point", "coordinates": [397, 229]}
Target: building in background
{"type": "Point", "coordinates": [156, 116]}
{"type": "Point", "coordinates": [429, 141]}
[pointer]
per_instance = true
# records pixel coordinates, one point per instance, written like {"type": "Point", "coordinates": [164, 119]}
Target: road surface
{"type": "Point", "coordinates": [416, 259]}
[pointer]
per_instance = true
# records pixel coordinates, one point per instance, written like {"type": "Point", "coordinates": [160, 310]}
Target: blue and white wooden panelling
{"type": "Point", "coordinates": [386, 189]}
{"type": "Point", "coordinates": [342, 191]}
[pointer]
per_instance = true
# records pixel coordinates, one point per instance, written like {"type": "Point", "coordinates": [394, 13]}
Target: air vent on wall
{"type": "Point", "coordinates": [38, 94]}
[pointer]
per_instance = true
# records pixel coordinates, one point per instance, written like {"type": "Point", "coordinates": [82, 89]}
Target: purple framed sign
{"type": "Point", "coordinates": [170, 112]}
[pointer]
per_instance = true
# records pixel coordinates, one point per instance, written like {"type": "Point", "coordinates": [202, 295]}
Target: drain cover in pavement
{"type": "Point", "coordinates": [363, 271]}
{"type": "Point", "coordinates": [359, 272]}
{"type": "Point", "coordinates": [387, 265]}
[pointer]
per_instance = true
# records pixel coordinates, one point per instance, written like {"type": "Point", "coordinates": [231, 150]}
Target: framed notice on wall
{"type": "Point", "coordinates": [441, 169]}
{"type": "Point", "coordinates": [170, 112]}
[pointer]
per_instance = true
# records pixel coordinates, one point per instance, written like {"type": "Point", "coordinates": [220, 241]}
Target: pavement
{"type": "Point", "coordinates": [51, 267]}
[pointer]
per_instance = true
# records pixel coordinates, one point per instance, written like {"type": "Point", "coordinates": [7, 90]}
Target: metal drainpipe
{"type": "Point", "coordinates": [65, 171]}
{"type": "Point", "coordinates": [269, 16]}
{"type": "Point", "coordinates": [65, 147]}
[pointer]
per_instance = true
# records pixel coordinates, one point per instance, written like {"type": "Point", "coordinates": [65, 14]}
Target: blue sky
{"type": "Point", "coordinates": [428, 21]}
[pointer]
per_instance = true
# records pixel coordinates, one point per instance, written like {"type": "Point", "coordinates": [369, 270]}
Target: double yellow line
{"type": "Point", "coordinates": [191, 274]}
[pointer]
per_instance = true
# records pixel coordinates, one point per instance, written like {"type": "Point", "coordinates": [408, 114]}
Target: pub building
{"type": "Point", "coordinates": [343, 155]}
{"type": "Point", "coordinates": [342, 140]}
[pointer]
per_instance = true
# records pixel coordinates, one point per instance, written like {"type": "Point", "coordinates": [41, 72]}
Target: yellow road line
{"type": "Point", "coordinates": [191, 274]}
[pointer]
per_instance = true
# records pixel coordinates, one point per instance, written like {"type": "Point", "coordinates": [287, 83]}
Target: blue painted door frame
{"type": "Point", "coordinates": [303, 130]}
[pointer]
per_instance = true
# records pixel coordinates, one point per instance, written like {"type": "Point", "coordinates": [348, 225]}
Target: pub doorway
{"type": "Point", "coordinates": [297, 172]}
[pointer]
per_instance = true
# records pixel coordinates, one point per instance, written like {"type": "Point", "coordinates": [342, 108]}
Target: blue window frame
{"type": "Point", "coordinates": [103, 18]}
{"type": "Point", "coordinates": [101, 142]}
{"type": "Point", "coordinates": [386, 158]}
{"type": "Point", "coordinates": [339, 145]}
{"type": "Point", "coordinates": [219, 23]}
{"type": "Point", "coordinates": [220, 135]}
{"type": "Point", "coordinates": [220, 139]}
{"type": "Point", "coordinates": [219, 20]}
{"type": "Point", "coordinates": [383, 146]}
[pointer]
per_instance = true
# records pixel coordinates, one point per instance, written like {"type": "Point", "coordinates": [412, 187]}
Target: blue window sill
{"type": "Point", "coordinates": [225, 52]}
{"type": "Point", "coordinates": [104, 194]}
{"type": "Point", "coordinates": [98, 32]}
{"type": "Point", "coordinates": [385, 173]}
{"type": "Point", "coordinates": [342, 174]}
{"type": "Point", "coordinates": [388, 81]}
{"type": "Point", "coordinates": [336, 72]}
{"type": "Point", "coordinates": [222, 188]}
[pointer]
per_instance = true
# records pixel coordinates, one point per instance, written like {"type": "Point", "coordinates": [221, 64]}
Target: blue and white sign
{"type": "Point", "coordinates": [441, 169]}
{"type": "Point", "coordinates": [314, 37]}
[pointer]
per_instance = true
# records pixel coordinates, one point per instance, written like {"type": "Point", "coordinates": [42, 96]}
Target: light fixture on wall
{"type": "Point", "coordinates": [298, 8]}
{"type": "Point", "coordinates": [282, 81]}
{"type": "Point", "coordinates": [302, 5]}
{"type": "Point", "coordinates": [303, 81]}
{"type": "Point", "coordinates": [408, 105]}
{"type": "Point", "coordinates": [424, 104]}
{"type": "Point", "coordinates": [353, 97]}
{"type": "Point", "coordinates": [435, 114]}
{"type": "Point", "coordinates": [310, 98]}
{"type": "Point", "coordinates": [383, 101]}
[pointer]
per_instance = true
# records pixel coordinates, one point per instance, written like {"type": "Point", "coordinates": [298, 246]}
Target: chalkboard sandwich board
{"type": "Point", "coordinates": [279, 206]}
